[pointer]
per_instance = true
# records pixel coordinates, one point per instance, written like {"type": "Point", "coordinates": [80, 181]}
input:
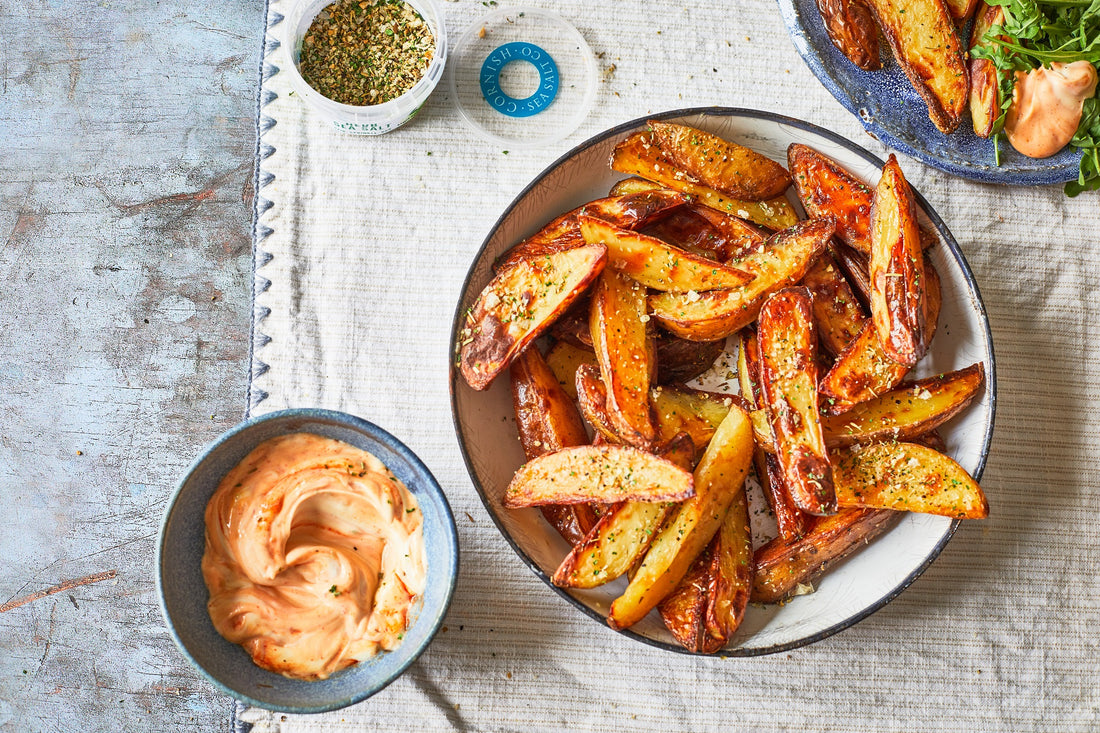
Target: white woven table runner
{"type": "Point", "coordinates": [369, 241]}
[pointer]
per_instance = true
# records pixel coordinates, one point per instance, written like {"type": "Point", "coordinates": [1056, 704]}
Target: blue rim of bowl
{"type": "Point", "coordinates": [383, 436]}
{"type": "Point", "coordinates": [948, 240]}
{"type": "Point", "coordinates": [814, 59]}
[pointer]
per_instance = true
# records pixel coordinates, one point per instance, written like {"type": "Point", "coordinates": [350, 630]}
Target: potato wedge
{"type": "Point", "coordinates": [985, 107]}
{"type": "Point", "coordinates": [546, 416]}
{"type": "Point", "coordinates": [719, 476]}
{"type": "Point", "coordinates": [731, 572]}
{"type": "Point", "coordinates": [855, 267]}
{"type": "Point", "coordinates": [684, 611]}
{"type": "Point", "coordinates": [592, 400]}
{"type": "Point", "coordinates": [620, 537]}
{"type": "Point", "coordinates": [720, 164]}
{"type": "Point", "coordinates": [695, 412]}
{"type": "Point", "coordinates": [783, 565]}
{"type": "Point", "coordinates": [547, 420]}
{"type": "Point", "coordinates": [922, 36]}
{"type": "Point", "coordinates": [897, 269]}
{"type": "Point", "coordinates": [564, 359]}
{"type": "Point", "coordinates": [862, 371]}
{"type": "Point", "coordinates": [906, 477]}
{"type": "Point", "coordinates": [624, 354]}
{"type": "Point", "coordinates": [838, 315]}
{"type": "Point", "coordinates": [656, 264]}
{"type": "Point", "coordinates": [718, 313]}
{"type": "Point", "coordinates": [680, 360]}
{"type": "Point", "coordinates": [518, 305]}
{"type": "Point", "coordinates": [702, 230]}
{"type": "Point", "coordinates": [788, 379]}
{"type": "Point", "coordinates": [909, 411]}
{"type": "Point", "coordinates": [789, 519]}
{"type": "Point", "coordinates": [638, 155]}
{"type": "Point", "coordinates": [826, 189]}
{"type": "Point", "coordinates": [629, 211]}
{"type": "Point", "coordinates": [604, 473]}
{"type": "Point", "coordinates": [853, 30]}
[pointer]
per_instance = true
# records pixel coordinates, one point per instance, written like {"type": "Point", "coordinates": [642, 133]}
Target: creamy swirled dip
{"type": "Point", "coordinates": [314, 556]}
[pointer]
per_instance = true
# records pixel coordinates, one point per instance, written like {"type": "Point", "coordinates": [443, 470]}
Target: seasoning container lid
{"type": "Point", "coordinates": [522, 77]}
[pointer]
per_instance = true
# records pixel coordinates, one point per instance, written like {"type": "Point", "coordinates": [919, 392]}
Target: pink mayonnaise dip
{"type": "Point", "coordinates": [314, 556]}
{"type": "Point", "coordinates": [1046, 107]}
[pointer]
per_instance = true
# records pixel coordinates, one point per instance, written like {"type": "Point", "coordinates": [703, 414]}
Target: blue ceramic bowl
{"type": "Point", "coordinates": [183, 593]}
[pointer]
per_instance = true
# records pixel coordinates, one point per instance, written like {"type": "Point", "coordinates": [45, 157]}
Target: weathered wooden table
{"type": "Point", "coordinates": [126, 164]}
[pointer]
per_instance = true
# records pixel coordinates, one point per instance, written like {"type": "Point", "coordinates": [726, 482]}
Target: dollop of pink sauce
{"type": "Point", "coordinates": [1046, 107]}
{"type": "Point", "coordinates": [314, 556]}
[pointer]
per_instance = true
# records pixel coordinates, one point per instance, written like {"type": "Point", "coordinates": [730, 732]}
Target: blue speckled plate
{"type": "Point", "coordinates": [894, 113]}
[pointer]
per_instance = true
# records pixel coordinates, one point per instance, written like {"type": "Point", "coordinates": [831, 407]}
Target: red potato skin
{"type": "Point", "coordinates": [897, 269]}
{"type": "Point", "coordinates": [787, 318]}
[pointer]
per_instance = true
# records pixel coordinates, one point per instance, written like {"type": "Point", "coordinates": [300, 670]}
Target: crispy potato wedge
{"type": "Point", "coordinates": [718, 313]}
{"type": "Point", "coordinates": [897, 269]}
{"type": "Point", "coordinates": [783, 565]}
{"type": "Point", "coordinates": [620, 537]}
{"type": "Point", "coordinates": [659, 265]}
{"type": "Point", "coordinates": [684, 611]}
{"type": "Point", "coordinates": [719, 476]}
{"type": "Point", "coordinates": [985, 105]}
{"type": "Point", "coordinates": [680, 360]}
{"type": "Point", "coordinates": [837, 313]}
{"type": "Point", "coordinates": [853, 30]}
{"type": "Point", "coordinates": [693, 411]}
{"type": "Point", "coordinates": [624, 354]}
{"type": "Point", "coordinates": [546, 416]}
{"type": "Point", "coordinates": [617, 541]}
{"type": "Point", "coordinates": [564, 359]}
{"type": "Point", "coordinates": [592, 399]}
{"type": "Point", "coordinates": [638, 155]}
{"type": "Point", "coordinates": [702, 230]}
{"type": "Point", "coordinates": [731, 572]}
{"type": "Point", "coordinates": [720, 164]}
{"type": "Point", "coordinates": [518, 305]}
{"type": "Point", "coordinates": [788, 379]}
{"type": "Point", "coordinates": [629, 211]}
{"type": "Point", "coordinates": [856, 270]}
{"type": "Point", "coordinates": [862, 371]}
{"type": "Point", "coordinates": [907, 412]}
{"type": "Point", "coordinates": [547, 420]}
{"type": "Point", "coordinates": [789, 519]}
{"type": "Point", "coordinates": [906, 477]}
{"type": "Point", "coordinates": [600, 473]}
{"type": "Point", "coordinates": [826, 189]}
{"type": "Point", "coordinates": [922, 36]}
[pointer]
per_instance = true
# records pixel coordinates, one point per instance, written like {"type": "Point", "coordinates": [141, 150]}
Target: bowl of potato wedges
{"type": "Point", "coordinates": [724, 381]}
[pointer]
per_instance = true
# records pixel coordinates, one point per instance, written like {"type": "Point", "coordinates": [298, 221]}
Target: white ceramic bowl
{"type": "Point", "coordinates": [849, 592]}
{"type": "Point", "coordinates": [374, 119]}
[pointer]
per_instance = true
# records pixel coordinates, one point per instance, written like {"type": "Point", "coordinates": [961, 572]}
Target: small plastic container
{"type": "Point", "coordinates": [374, 119]}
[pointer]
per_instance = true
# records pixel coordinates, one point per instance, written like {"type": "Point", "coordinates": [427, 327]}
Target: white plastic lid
{"type": "Point", "coordinates": [522, 77]}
